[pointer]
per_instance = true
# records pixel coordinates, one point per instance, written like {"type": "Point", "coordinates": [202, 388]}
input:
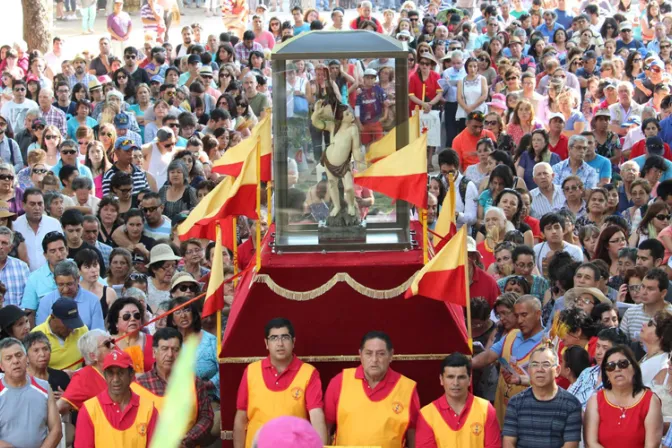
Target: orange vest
{"type": "Point", "coordinates": [264, 404]}
{"type": "Point", "coordinates": [472, 433]}
{"type": "Point", "coordinates": [133, 437]}
{"type": "Point", "coordinates": [158, 401]}
{"type": "Point", "coordinates": [361, 421]}
{"type": "Point", "coordinates": [504, 390]}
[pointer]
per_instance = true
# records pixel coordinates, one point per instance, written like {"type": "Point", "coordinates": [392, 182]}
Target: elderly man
{"type": "Point", "coordinates": [88, 381]}
{"type": "Point", "coordinates": [66, 275]}
{"type": "Point", "coordinates": [450, 420]}
{"type": "Point", "coordinates": [34, 225]}
{"type": "Point", "coordinates": [624, 109]}
{"type": "Point", "coordinates": [105, 419]}
{"type": "Point", "coordinates": [266, 384]}
{"type": "Point", "coordinates": [520, 343]}
{"type": "Point", "coordinates": [50, 114]}
{"type": "Point", "coordinates": [543, 415]}
{"type": "Point", "coordinates": [372, 396]}
{"type": "Point", "coordinates": [547, 197]}
{"type": "Point", "coordinates": [576, 164]}
{"type": "Point", "coordinates": [91, 230]}
{"type": "Point", "coordinates": [629, 172]}
{"type": "Point", "coordinates": [13, 272]}
{"type": "Point", "coordinates": [15, 110]}
{"type": "Point", "coordinates": [123, 154]}
{"type": "Point", "coordinates": [63, 328]}
{"type": "Point", "coordinates": [32, 122]}
{"type": "Point", "coordinates": [27, 406]}
{"type": "Point", "coordinates": [153, 384]}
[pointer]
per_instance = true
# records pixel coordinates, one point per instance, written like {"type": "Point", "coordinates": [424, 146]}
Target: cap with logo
{"type": "Point", "coordinates": [122, 121]}
{"type": "Point", "coordinates": [66, 311]}
{"type": "Point", "coordinates": [117, 358]}
{"type": "Point", "coordinates": [124, 143]}
{"type": "Point", "coordinates": [38, 122]}
{"type": "Point", "coordinates": [157, 78]}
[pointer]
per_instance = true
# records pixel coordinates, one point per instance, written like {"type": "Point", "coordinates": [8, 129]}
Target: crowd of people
{"type": "Point", "coordinates": [550, 118]}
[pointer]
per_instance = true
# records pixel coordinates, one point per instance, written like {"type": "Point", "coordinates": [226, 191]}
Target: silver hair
{"type": "Point", "coordinates": [179, 165]}
{"type": "Point", "coordinates": [4, 230]}
{"type": "Point", "coordinates": [136, 293]}
{"type": "Point", "coordinates": [630, 163]}
{"type": "Point", "coordinates": [88, 344]}
{"type": "Point", "coordinates": [576, 138]}
{"type": "Point", "coordinates": [67, 268]}
{"type": "Point", "coordinates": [542, 164]}
{"type": "Point", "coordinates": [626, 84]}
{"type": "Point", "coordinates": [49, 198]}
{"type": "Point", "coordinates": [456, 54]}
{"type": "Point", "coordinates": [497, 211]}
{"type": "Point", "coordinates": [648, 112]}
{"type": "Point", "coordinates": [7, 167]}
{"type": "Point", "coordinates": [545, 349]}
{"type": "Point", "coordinates": [528, 298]}
{"type": "Point", "coordinates": [9, 342]}
{"type": "Point", "coordinates": [47, 90]}
{"type": "Point", "coordinates": [34, 113]}
{"type": "Point", "coordinates": [82, 182]}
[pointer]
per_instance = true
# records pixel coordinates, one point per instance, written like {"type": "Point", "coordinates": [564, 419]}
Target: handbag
{"type": "Point", "coordinates": [300, 103]}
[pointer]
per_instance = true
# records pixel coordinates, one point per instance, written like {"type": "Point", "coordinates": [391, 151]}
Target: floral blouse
{"type": "Point", "coordinates": [608, 148]}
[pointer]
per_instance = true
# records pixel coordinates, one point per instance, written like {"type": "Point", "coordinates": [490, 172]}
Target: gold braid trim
{"type": "Point", "coordinates": [340, 277]}
{"type": "Point", "coordinates": [336, 358]}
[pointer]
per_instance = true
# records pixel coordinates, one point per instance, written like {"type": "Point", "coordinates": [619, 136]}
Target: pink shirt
{"type": "Point", "coordinates": [265, 39]}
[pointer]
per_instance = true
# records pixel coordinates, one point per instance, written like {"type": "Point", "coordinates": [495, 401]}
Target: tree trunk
{"type": "Point", "coordinates": [37, 25]}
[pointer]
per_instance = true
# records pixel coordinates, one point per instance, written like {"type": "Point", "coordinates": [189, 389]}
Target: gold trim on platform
{"type": "Point", "coordinates": [340, 358]}
{"type": "Point", "coordinates": [340, 277]}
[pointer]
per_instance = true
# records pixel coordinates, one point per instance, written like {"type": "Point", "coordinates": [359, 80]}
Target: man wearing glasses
{"type": "Point", "coordinates": [138, 74]}
{"type": "Point", "coordinates": [15, 111]}
{"type": "Point", "coordinates": [627, 40]}
{"type": "Point", "coordinates": [279, 385]}
{"type": "Point", "coordinates": [123, 153]}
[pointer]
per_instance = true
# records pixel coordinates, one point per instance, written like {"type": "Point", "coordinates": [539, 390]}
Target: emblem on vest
{"type": "Point", "coordinates": [476, 428]}
{"type": "Point", "coordinates": [397, 407]}
{"type": "Point", "coordinates": [297, 393]}
{"type": "Point", "coordinates": [142, 429]}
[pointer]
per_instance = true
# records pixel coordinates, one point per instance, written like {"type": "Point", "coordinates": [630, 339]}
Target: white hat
{"type": "Point", "coordinates": [370, 72]}
{"type": "Point", "coordinates": [471, 245]}
{"type": "Point", "coordinates": [557, 115]}
{"type": "Point", "coordinates": [162, 252]}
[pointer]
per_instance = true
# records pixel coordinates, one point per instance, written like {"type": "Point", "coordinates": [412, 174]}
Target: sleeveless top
{"type": "Point", "coordinates": [24, 407]}
{"type": "Point", "coordinates": [158, 165]}
{"type": "Point", "coordinates": [472, 91]}
{"type": "Point", "coordinates": [621, 427]}
{"type": "Point", "coordinates": [472, 432]}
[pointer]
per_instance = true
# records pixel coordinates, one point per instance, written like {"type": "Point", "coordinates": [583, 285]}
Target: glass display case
{"type": "Point", "coordinates": [319, 117]}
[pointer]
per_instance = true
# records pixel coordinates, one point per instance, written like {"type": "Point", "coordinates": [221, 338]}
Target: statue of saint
{"type": "Point", "coordinates": [345, 144]}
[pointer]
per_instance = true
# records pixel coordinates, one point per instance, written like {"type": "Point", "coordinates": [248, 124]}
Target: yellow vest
{"type": "Point", "coordinates": [361, 421]}
{"type": "Point", "coordinates": [504, 390]}
{"type": "Point", "coordinates": [472, 433]}
{"type": "Point", "coordinates": [133, 437]}
{"type": "Point", "coordinates": [264, 404]}
{"type": "Point", "coordinates": [158, 401]}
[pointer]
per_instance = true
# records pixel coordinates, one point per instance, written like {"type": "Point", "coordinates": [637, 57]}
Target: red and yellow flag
{"type": "Point", "coordinates": [446, 224]}
{"type": "Point", "coordinates": [445, 277]}
{"type": "Point", "coordinates": [388, 144]}
{"type": "Point", "coordinates": [401, 175]}
{"type": "Point", "coordinates": [231, 163]}
{"type": "Point", "coordinates": [214, 298]}
{"type": "Point", "coordinates": [233, 196]}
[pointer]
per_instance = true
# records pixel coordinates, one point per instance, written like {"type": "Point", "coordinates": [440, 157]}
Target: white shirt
{"type": "Point", "coordinates": [466, 213]}
{"type": "Point", "coordinates": [54, 62]}
{"type": "Point", "coordinates": [542, 249]}
{"type": "Point", "coordinates": [34, 240]}
{"type": "Point", "coordinates": [541, 205]}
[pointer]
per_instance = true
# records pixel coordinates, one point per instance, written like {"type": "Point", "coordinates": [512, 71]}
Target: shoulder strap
{"type": "Point", "coordinates": [12, 147]}
{"type": "Point", "coordinates": [464, 182]}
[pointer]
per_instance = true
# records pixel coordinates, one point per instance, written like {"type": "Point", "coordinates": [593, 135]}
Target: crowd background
{"type": "Point", "coordinates": [552, 117]}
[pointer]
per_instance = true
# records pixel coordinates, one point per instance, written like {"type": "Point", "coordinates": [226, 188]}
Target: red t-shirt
{"type": "Point", "coordinates": [86, 383]}
{"type": "Point", "coordinates": [424, 436]}
{"type": "Point", "coordinates": [534, 225]}
{"type": "Point", "coordinates": [561, 149]}
{"type": "Point", "coordinates": [639, 149]}
{"type": "Point", "coordinates": [415, 88]}
{"type": "Point", "coordinates": [483, 285]}
{"type": "Point", "coordinates": [465, 146]}
{"type": "Point", "coordinates": [378, 393]}
{"type": "Point", "coordinates": [354, 25]}
{"type": "Point", "coordinates": [278, 382]}
{"type": "Point", "coordinates": [85, 433]}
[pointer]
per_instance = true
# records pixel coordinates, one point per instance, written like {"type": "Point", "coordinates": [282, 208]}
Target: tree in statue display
{"type": "Point", "coordinates": [36, 25]}
{"type": "Point", "coordinates": [339, 121]}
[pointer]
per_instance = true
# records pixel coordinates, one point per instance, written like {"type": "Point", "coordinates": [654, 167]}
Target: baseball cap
{"type": "Point", "coordinates": [164, 133]}
{"type": "Point", "coordinates": [370, 72]}
{"type": "Point", "coordinates": [632, 121]}
{"type": "Point", "coordinates": [157, 78]}
{"type": "Point", "coordinates": [193, 59]}
{"type": "Point", "coordinates": [657, 63]}
{"type": "Point", "coordinates": [124, 143]}
{"type": "Point", "coordinates": [38, 122]}
{"type": "Point", "coordinates": [122, 121]}
{"type": "Point", "coordinates": [117, 358]}
{"type": "Point", "coordinates": [654, 145]}
{"type": "Point", "coordinates": [603, 113]}
{"type": "Point", "coordinates": [609, 84]}
{"type": "Point", "coordinates": [557, 115]}
{"type": "Point", "coordinates": [118, 1]}
{"type": "Point", "coordinates": [589, 55]}
{"type": "Point", "coordinates": [626, 26]}
{"type": "Point", "coordinates": [66, 311]}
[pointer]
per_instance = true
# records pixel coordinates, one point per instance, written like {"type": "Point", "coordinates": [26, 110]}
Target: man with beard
{"type": "Point", "coordinates": [138, 74]}
{"type": "Point", "coordinates": [80, 76]}
{"type": "Point", "coordinates": [187, 39]}
{"type": "Point", "coordinates": [100, 65]}
{"type": "Point", "coordinates": [15, 111]}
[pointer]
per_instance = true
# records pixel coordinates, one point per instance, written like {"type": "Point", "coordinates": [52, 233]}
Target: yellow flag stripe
{"type": "Point", "coordinates": [409, 160]}
{"type": "Point", "coordinates": [453, 254]}
{"type": "Point", "coordinates": [447, 213]}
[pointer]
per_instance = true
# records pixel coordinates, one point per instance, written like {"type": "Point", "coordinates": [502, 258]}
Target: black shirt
{"type": "Point", "coordinates": [140, 76]}
{"type": "Point", "coordinates": [72, 253]}
{"type": "Point", "coordinates": [58, 379]}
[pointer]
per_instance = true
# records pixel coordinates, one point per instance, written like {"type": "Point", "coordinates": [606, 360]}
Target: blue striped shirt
{"type": "Point", "coordinates": [14, 276]}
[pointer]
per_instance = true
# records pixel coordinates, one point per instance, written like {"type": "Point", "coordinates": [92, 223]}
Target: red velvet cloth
{"type": "Point", "coordinates": [334, 323]}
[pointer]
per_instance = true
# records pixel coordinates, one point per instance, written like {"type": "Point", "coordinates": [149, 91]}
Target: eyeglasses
{"type": "Point", "coordinates": [39, 127]}
{"type": "Point", "coordinates": [106, 134]}
{"type": "Point", "coordinates": [621, 364]}
{"type": "Point", "coordinates": [124, 190]}
{"type": "Point", "coordinates": [183, 311]}
{"type": "Point", "coordinates": [651, 323]}
{"type": "Point", "coordinates": [282, 337]}
{"type": "Point", "coordinates": [129, 56]}
{"type": "Point", "coordinates": [571, 188]}
{"type": "Point", "coordinates": [147, 210]}
{"type": "Point", "coordinates": [634, 288]}
{"type": "Point", "coordinates": [617, 240]}
{"type": "Point", "coordinates": [51, 137]}
{"type": "Point", "coordinates": [39, 171]}
{"type": "Point", "coordinates": [662, 217]}
{"type": "Point", "coordinates": [193, 252]}
{"type": "Point", "coordinates": [541, 365]}
{"type": "Point", "coordinates": [6, 177]}
{"type": "Point", "coordinates": [68, 152]}
{"type": "Point", "coordinates": [126, 317]}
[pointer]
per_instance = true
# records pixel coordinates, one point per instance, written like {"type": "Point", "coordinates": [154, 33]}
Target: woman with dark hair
{"type": "Point", "coordinates": [121, 264]}
{"type": "Point", "coordinates": [274, 27]}
{"type": "Point", "coordinates": [486, 69]}
{"type": "Point", "coordinates": [611, 240]}
{"type": "Point", "coordinates": [512, 203]}
{"type": "Point", "coordinates": [80, 92]}
{"type": "Point", "coordinates": [517, 284]}
{"type": "Point", "coordinates": [89, 271]}
{"type": "Point", "coordinates": [609, 29]}
{"type": "Point", "coordinates": [655, 220]}
{"type": "Point", "coordinates": [187, 321]}
{"type": "Point", "coordinates": [496, 159]}
{"type": "Point", "coordinates": [245, 118]}
{"type": "Point", "coordinates": [227, 102]}
{"type": "Point", "coordinates": [96, 160]}
{"type": "Point", "coordinates": [640, 193]}
{"type": "Point", "coordinates": [125, 84]}
{"type": "Point", "coordinates": [573, 361]}
{"type": "Point", "coordinates": [437, 188]}
{"type": "Point", "coordinates": [606, 315]}
{"type": "Point", "coordinates": [656, 336]}
{"type": "Point", "coordinates": [596, 205]}
{"type": "Point", "coordinates": [14, 322]}
{"type": "Point", "coordinates": [477, 172]}
{"type": "Point", "coordinates": [633, 66]}
{"type": "Point", "coordinates": [625, 413]}
{"type": "Point", "coordinates": [108, 216]}
{"type": "Point", "coordinates": [224, 77]}
{"type": "Point", "coordinates": [539, 151]}
{"type": "Point", "coordinates": [560, 44]}
{"type": "Point", "coordinates": [81, 118]}
{"type": "Point", "coordinates": [500, 178]}
{"type": "Point", "coordinates": [140, 244]}
{"type": "Point", "coordinates": [494, 123]}
{"type": "Point", "coordinates": [187, 158]}
{"type": "Point", "coordinates": [226, 55]}
{"type": "Point", "coordinates": [126, 317]}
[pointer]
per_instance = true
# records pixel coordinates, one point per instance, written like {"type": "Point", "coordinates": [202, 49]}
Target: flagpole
{"type": "Point", "coordinates": [269, 200]}
{"type": "Point", "coordinates": [219, 312]}
{"type": "Point", "coordinates": [258, 244]}
{"type": "Point", "coordinates": [425, 236]}
{"type": "Point", "coordinates": [470, 339]}
{"type": "Point", "coordinates": [235, 249]}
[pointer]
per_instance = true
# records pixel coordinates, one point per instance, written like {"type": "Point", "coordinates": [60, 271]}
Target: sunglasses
{"type": "Point", "coordinates": [490, 123]}
{"type": "Point", "coordinates": [150, 209]}
{"type": "Point", "coordinates": [425, 64]}
{"type": "Point", "coordinates": [6, 177]}
{"type": "Point", "coordinates": [68, 152]}
{"type": "Point", "coordinates": [173, 125]}
{"type": "Point", "coordinates": [51, 137]}
{"type": "Point", "coordinates": [109, 343]}
{"type": "Point", "coordinates": [38, 128]}
{"type": "Point", "coordinates": [662, 217]}
{"type": "Point", "coordinates": [512, 78]}
{"type": "Point", "coordinates": [40, 171]}
{"type": "Point", "coordinates": [571, 188]}
{"type": "Point", "coordinates": [662, 47]}
{"type": "Point", "coordinates": [482, 59]}
{"type": "Point", "coordinates": [136, 276]}
{"type": "Point", "coordinates": [169, 145]}
{"type": "Point", "coordinates": [622, 364]}
{"type": "Point", "coordinates": [106, 134]}
{"type": "Point", "coordinates": [185, 288]}
{"type": "Point", "coordinates": [130, 56]}
{"type": "Point", "coordinates": [637, 60]}
{"type": "Point", "coordinates": [20, 89]}
{"type": "Point", "coordinates": [127, 317]}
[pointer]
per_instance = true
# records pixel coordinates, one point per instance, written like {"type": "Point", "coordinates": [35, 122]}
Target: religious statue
{"type": "Point", "coordinates": [339, 121]}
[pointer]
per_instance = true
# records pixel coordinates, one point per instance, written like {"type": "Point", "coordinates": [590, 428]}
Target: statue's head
{"type": "Point", "coordinates": [345, 114]}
